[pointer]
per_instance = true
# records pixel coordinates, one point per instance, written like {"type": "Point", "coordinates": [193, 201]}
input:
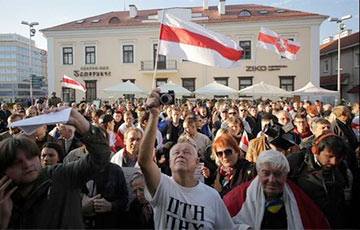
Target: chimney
{"type": "Point", "coordinates": [133, 11]}
{"type": "Point", "coordinates": [205, 4]}
{"type": "Point", "coordinates": [221, 7]}
{"type": "Point", "coordinates": [328, 39]}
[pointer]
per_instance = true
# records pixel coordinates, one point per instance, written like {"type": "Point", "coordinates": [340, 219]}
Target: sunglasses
{"type": "Point", "coordinates": [233, 113]}
{"type": "Point", "coordinates": [227, 152]}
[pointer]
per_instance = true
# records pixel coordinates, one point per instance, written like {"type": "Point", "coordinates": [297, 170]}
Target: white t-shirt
{"type": "Point", "coordinates": [199, 207]}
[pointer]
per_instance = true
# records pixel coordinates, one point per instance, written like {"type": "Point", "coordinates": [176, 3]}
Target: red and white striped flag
{"type": "Point", "coordinates": [187, 40]}
{"type": "Point", "coordinates": [244, 142]}
{"type": "Point", "coordinates": [71, 83]}
{"type": "Point", "coordinates": [270, 40]}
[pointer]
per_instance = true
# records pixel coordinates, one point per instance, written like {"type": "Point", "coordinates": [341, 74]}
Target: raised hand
{"type": "Point", "coordinates": [6, 204]}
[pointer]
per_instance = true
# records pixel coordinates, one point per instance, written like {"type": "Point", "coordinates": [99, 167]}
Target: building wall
{"type": "Point", "coordinates": [109, 43]}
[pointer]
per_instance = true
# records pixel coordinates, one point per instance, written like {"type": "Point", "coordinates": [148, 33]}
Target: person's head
{"type": "Point", "coordinates": [117, 116]}
{"type": "Point", "coordinates": [19, 160]}
{"type": "Point", "coordinates": [300, 122]}
{"type": "Point", "coordinates": [283, 117]}
{"type": "Point", "coordinates": [137, 183]}
{"type": "Point", "coordinates": [175, 114]}
{"type": "Point", "coordinates": [4, 106]}
{"type": "Point", "coordinates": [296, 105]}
{"type": "Point", "coordinates": [319, 125]}
{"type": "Point", "coordinates": [235, 126]}
{"type": "Point", "coordinates": [199, 121]}
{"type": "Point", "coordinates": [190, 126]}
{"type": "Point", "coordinates": [226, 150]}
{"type": "Point", "coordinates": [342, 113]}
{"type": "Point", "coordinates": [268, 108]}
{"type": "Point", "coordinates": [40, 133]}
{"type": "Point", "coordinates": [31, 111]}
{"type": "Point", "coordinates": [11, 119]}
{"type": "Point", "coordinates": [224, 114]}
{"type": "Point", "coordinates": [128, 118]}
{"type": "Point", "coordinates": [53, 94]}
{"type": "Point", "coordinates": [233, 112]}
{"type": "Point", "coordinates": [129, 106]}
{"type": "Point", "coordinates": [203, 111]}
{"type": "Point", "coordinates": [272, 168]}
{"type": "Point", "coordinates": [329, 149]}
{"type": "Point", "coordinates": [51, 154]}
{"type": "Point", "coordinates": [143, 118]}
{"type": "Point", "coordinates": [266, 119]}
{"type": "Point", "coordinates": [107, 122]}
{"type": "Point", "coordinates": [355, 108]}
{"type": "Point", "coordinates": [132, 139]}
{"type": "Point", "coordinates": [17, 107]}
{"type": "Point", "coordinates": [95, 115]}
{"type": "Point", "coordinates": [253, 111]}
{"type": "Point", "coordinates": [243, 111]}
{"type": "Point", "coordinates": [183, 157]}
{"type": "Point", "coordinates": [327, 107]}
{"type": "Point", "coordinates": [66, 131]}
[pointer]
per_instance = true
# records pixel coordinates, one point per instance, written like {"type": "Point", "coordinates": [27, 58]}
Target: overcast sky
{"type": "Point", "coordinates": [54, 12]}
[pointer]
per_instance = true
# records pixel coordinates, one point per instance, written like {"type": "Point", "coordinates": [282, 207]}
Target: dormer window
{"type": "Point", "coordinates": [263, 11]}
{"type": "Point", "coordinates": [95, 21]}
{"type": "Point", "coordinates": [280, 11]}
{"type": "Point", "coordinates": [80, 21]}
{"type": "Point", "coordinates": [245, 13]}
{"type": "Point", "coordinates": [114, 20]}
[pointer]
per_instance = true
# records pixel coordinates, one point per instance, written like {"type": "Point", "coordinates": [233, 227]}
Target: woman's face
{"type": "Point", "coordinates": [227, 156]}
{"type": "Point", "coordinates": [49, 156]}
{"type": "Point", "coordinates": [234, 129]}
{"type": "Point", "coordinates": [111, 125]}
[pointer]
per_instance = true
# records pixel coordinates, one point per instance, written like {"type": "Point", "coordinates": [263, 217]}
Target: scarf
{"type": "Point", "coordinates": [252, 211]}
{"type": "Point", "coordinates": [227, 174]}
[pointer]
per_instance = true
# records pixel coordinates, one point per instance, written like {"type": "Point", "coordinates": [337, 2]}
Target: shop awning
{"type": "Point", "coordinates": [332, 80]}
{"type": "Point", "coordinates": [355, 89]}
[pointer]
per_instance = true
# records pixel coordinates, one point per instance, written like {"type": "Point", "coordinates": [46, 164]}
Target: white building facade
{"type": "Point", "coordinates": [105, 50]}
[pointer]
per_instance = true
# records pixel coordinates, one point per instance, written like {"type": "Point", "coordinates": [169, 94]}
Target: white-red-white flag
{"type": "Point", "coordinates": [190, 41]}
{"type": "Point", "coordinates": [71, 83]}
{"type": "Point", "coordinates": [272, 41]}
{"type": "Point", "coordinates": [244, 142]}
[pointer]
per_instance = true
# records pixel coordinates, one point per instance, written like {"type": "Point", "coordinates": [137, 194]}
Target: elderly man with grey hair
{"type": "Point", "coordinates": [270, 201]}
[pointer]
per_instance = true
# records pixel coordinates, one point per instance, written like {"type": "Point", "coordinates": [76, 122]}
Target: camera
{"type": "Point", "coordinates": [167, 98]}
{"type": "Point", "coordinates": [279, 135]}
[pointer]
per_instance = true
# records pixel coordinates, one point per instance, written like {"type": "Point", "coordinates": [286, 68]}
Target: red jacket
{"type": "Point", "coordinates": [311, 215]}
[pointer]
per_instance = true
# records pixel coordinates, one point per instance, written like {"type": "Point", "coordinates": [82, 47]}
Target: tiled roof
{"type": "Point", "coordinates": [231, 15]}
{"type": "Point", "coordinates": [332, 80]}
{"type": "Point", "coordinates": [344, 42]}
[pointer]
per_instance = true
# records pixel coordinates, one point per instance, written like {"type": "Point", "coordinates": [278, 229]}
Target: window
{"type": "Point", "coordinates": [287, 83]}
{"type": "Point", "coordinates": [245, 82]}
{"type": "Point", "coordinates": [222, 80]}
{"type": "Point", "coordinates": [68, 94]}
{"type": "Point", "coordinates": [90, 55]}
{"type": "Point", "coordinates": [128, 54]}
{"type": "Point", "coordinates": [91, 90]}
{"type": "Point", "coordinates": [357, 60]}
{"type": "Point", "coordinates": [114, 20]}
{"type": "Point", "coordinates": [189, 84]}
{"type": "Point", "coordinates": [67, 55]}
{"type": "Point", "coordinates": [131, 80]}
{"type": "Point", "coordinates": [326, 66]}
{"type": "Point", "coordinates": [244, 13]}
{"type": "Point", "coordinates": [161, 60]}
{"type": "Point", "coordinates": [246, 46]}
{"type": "Point", "coordinates": [160, 81]}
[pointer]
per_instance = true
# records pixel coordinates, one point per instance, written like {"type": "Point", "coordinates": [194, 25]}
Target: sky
{"type": "Point", "coordinates": [54, 12]}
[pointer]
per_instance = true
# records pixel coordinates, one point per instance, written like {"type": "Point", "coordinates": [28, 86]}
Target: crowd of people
{"type": "Point", "coordinates": [203, 164]}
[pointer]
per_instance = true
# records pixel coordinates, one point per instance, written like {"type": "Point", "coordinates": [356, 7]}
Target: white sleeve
{"type": "Point", "coordinates": [160, 193]}
{"type": "Point", "coordinates": [223, 219]}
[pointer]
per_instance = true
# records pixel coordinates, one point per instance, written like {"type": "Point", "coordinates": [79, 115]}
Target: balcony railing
{"type": "Point", "coordinates": [168, 65]}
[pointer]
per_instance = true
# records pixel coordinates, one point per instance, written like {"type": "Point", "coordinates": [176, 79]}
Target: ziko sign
{"type": "Point", "coordinates": [253, 68]}
{"type": "Point", "coordinates": [93, 71]}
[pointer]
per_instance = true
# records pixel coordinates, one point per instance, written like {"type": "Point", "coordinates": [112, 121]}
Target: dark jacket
{"type": "Point", "coordinates": [345, 131]}
{"type": "Point", "coordinates": [75, 143]}
{"type": "Point", "coordinates": [137, 217]}
{"type": "Point", "coordinates": [111, 184]}
{"type": "Point", "coordinates": [243, 171]}
{"type": "Point", "coordinates": [55, 198]}
{"type": "Point", "coordinates": [324, 186]}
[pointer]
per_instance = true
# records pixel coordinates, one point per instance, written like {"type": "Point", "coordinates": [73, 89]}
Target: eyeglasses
{"type": "Point", "coordinates": [233, 113]}
{"type": "Point", "coordinates": [242, 110]}
{"type": "Point", "coordinates": [227, 152]}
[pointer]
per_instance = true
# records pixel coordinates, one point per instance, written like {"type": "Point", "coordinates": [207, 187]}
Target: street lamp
{"type": "Point", "coordinates": [341, 29]}
{"type": "Point", "coordinates": [31, 34]}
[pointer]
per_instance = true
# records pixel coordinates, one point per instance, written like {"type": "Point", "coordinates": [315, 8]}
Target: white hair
{"type": "Point", "coordinates": [275, 158]}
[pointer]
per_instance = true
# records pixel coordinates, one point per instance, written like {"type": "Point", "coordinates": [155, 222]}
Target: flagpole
{"type": "Point", "coordinates": [157, 51]}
